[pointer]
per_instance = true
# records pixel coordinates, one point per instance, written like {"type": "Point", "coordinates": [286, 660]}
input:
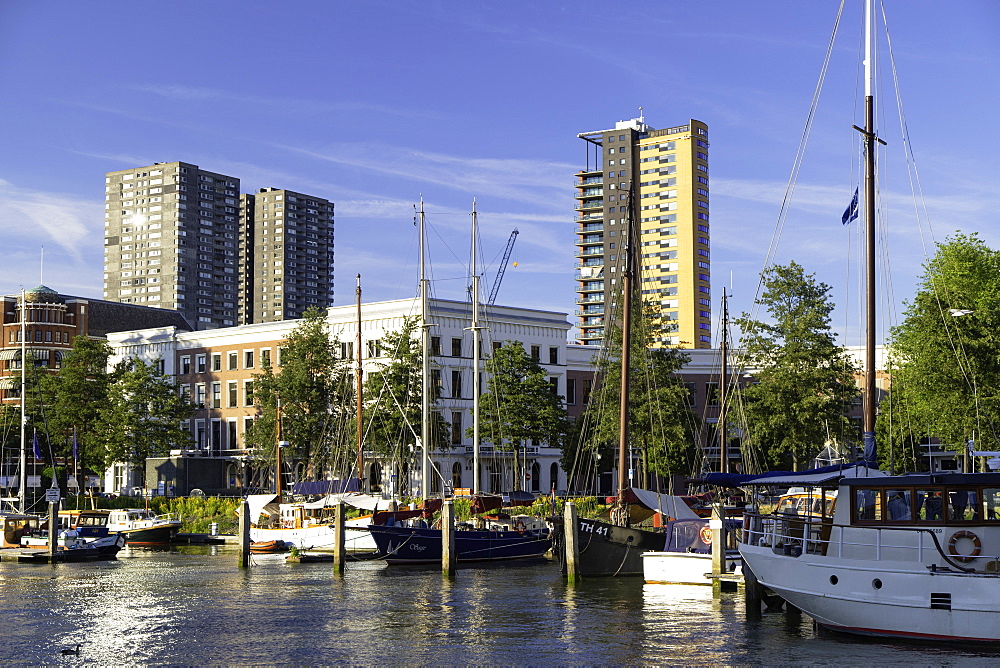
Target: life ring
{"type": "Point", "coordinates": [706, 535]}
{"type": "Point", "coordinates": [977, 545]}
{"type": "Point", "coordinates": [519, 527]}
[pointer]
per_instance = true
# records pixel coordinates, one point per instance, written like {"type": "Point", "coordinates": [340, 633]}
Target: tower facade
{"type": "Point", "coordinates": [286, 255]}
{"type": "Point", "coordinates": [665, 173]}
{"type": "Point", "coordinates": [171, 241]}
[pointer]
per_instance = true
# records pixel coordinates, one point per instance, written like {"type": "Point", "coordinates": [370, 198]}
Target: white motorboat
{"type": "Point", "coordinates": [914, 556]}
{"type": "Point", "coordinates": [687, 555]}
{"type": "Point", "coordinates": [310, 525]}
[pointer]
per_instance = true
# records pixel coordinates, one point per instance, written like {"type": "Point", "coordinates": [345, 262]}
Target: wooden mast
{"type": "Point", "coordinates": [358, 386]}
{"type": "Point", "coordinates": [870, 138]}
{"type": "Point", "coordinates": [621, 516]}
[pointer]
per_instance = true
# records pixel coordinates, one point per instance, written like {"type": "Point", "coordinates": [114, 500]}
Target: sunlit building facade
{"type": "Point", "coordinates": [666, 171]}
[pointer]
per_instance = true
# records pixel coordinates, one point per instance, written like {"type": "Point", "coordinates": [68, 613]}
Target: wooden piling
{"type": "Point", "coordinates": [339, 553]}
{"type": "Point", "coordinates": [53, 529]}
{"type": "Point", "coordinates": [244, 534]}
{"type": "Point", "coordinates": [449, 556]}
{"type": "Point", "coordinates": [572, 542]}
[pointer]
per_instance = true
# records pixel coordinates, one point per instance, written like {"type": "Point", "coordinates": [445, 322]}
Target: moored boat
{"type": "Point", "coordinates": [914, 556]}
{"type": "Point", "coordinates": [415, 545]}
{"type": "Point", "coordinates": [686, 558]}
{"type": "Point", "coordinates": [142, 527]}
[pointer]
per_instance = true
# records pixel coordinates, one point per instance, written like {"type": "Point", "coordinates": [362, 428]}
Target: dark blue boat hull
{"type": "Point", "coordinates": [407, 545]}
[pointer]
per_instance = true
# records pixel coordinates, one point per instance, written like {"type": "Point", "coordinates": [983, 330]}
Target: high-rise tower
{"type": "Point", "coordinates": [170, 240]}
{"type": "Point", "coordinates": [666, 172]}
{"type": "Point", "coordinates": [286, 255]}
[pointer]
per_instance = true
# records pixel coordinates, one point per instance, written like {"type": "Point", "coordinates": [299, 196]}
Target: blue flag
{"type": "Point", "coordinates": [851, 213]}
{"type": "Point", "coordinates": [37, 448]}
{"type": "Point", "coordinates": [75, 453]}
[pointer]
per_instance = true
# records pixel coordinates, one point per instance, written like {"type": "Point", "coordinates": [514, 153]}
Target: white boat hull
{"type": "Point", "coordinates": [319, 538]}
{"type": "Point", "coordinates": [882, 598]}
{"type": "Point", "coordinates": [680, 567]}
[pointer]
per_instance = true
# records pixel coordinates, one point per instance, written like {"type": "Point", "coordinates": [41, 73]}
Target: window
{"type": "Point", "coordinates": [247, 359]}
{"type": "Point", "coordinates": [553, 355]}
{"type": "Point", "coordinates": [456, 384]}
{"type": "Point", "coordinates": [216, 361]}
{"type": "Point", "coordinates": [374, 348]}
{"type": "Point", "coordinates": [435, 345]}
{"type": "Point", "coordinates": [436, 383]}
{"type": "Point", "coordinates": [346, 350]}
{"type": "Point", "coordinates": [216, 395]}
{"type": "Point", "coordinates": [185, 365]}
{"type": "Point", "coordinates": [234, 360]}
{"type": "Point", "coordinates": [265, 356]}
{"type": "Point", "coordinates": [496, 346]}
{"type": "Point", "coordinates": [712, 394]}
{"type": "Point", "coordinates": [232, 399]}
{"type": "Point", "coordinates": [690, 399]}
{"type": "Point", "coordinates": [199, 395]}
{"type": "Point", "coordinates": [456, 428]}
{"type": "Point", "coordinates": [456, 347]}
{"type": "Point", "coordinates": [554, 385]}
{"type": "Point", "coordinates": [536, 353]}
{"type": "Point", "coordinates": [199, 366]}
{"type": "Point", "coordinates": [571, 390]}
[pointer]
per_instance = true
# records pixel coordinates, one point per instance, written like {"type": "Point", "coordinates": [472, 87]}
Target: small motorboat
{"type": "Point", "coordinates": [268, 547]}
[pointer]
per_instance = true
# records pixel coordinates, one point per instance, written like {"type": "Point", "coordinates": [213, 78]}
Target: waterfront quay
{"type": "Point", "coordinates": [193, 605]}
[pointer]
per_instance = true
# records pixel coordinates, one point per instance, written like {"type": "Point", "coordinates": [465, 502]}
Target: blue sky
{"type": "Point", "coordinates": [373, 104]}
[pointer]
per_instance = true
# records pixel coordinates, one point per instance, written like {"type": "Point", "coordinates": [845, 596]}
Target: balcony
{"type": "Point", "coordinates": [588, 263]}
{"type": "Point", "coordinates": [591, 299]}
{"type": "Point", "coordinates": [591, 227]}
{"type": "Point", "coordinates": [590, 239]}
{"type": "Point", "coordinates": [595, 333]}
{"type": "Point", "coordinates": [591, 251]}
{"type": "Point", "coordinates": [589, 216]}
{"type": "Point", "coordinates": [590, 192]}
{"type": "Point", "coordinates": [590, 204]}
{"type": "Point", "coordinates": [585, 313]}
{"type": "Point", "coordinates": [592, 286]}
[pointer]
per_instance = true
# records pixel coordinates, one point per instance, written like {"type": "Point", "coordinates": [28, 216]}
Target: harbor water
{"type": "Point", "coordinates": [194, 606]}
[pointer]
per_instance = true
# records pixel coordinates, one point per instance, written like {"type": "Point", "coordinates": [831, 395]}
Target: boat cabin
{"type": "Point", "coordinates": [86, 523]}
{"type": "Point", "coordinates": [16, 526]}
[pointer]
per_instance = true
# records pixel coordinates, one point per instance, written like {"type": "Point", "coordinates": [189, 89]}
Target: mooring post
{"type": "Point", "coordinates": [449, 557]}
{"type": "Point", "coordinates": [339, 553]}
{"type": "Point", "coordinates": [572, 541]}
{"type": "Point", "coordinates": [752, 593]}
{"type": "Point", "coordinates": [53, 529]}
{"type": "Point", "coordinates": [245, 534]}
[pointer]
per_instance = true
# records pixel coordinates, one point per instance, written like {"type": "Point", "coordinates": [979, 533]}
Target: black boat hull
{"type": "Point", "coordinates": [407, 545]}
{"type": "Point", "coordinates": [606, 550]}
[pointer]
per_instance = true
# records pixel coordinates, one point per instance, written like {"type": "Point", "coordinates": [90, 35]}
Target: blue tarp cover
{"type": "Point", "coordinates": [788, 477]}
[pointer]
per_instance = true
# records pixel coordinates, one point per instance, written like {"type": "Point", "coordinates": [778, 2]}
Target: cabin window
{"type": "Point", "coordinates": [991, 503]}
{"type": "Point", "coordinates": [868, 505]}
{"type": "Point", "coordinates": [899, 505]}
{"type": "Point", "coordinates": [930, 505]}
{"type": "Point", "coordinates": [963, 504]}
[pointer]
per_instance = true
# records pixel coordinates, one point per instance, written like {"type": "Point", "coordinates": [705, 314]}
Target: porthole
{"type": "Point", "coordinates": [876, 583]}
{"type": "Point", "coordinates": [834, 580]}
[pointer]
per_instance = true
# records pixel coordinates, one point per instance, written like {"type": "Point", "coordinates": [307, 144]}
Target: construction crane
{"type": "Point", "coordinates": [503, 267]}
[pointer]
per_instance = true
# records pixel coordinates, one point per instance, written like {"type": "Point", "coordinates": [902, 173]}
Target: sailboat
{"type": "Point", "coordinates": [614, 547]}
{"type": "Point", "coordinates": [912, 556]}
{"type": "Point", "coordinates": [399, 543]}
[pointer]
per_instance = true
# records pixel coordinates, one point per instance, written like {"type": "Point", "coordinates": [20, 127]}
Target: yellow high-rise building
{"type": "Point", "coordinates": [666, 173]}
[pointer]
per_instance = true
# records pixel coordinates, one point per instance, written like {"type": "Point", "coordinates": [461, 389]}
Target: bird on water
{"type": "Point", "coordinates": [70, 652]}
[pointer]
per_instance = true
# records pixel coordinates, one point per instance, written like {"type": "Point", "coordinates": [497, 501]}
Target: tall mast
{"type": "Point", "coordinates": [425, 403]}
{"type": "Point", "coordinates": [626, 297]}
{"type": "Point", "coordinates": [724, 387]}
{"type": "Point", "coordinates": [357, 379]}
{"type": "Point", "coordinates": [476, 386]}
{"type": "Point", "coordinates": [870, 138]}
{"type": "Point", "coordinates": [22, 490]}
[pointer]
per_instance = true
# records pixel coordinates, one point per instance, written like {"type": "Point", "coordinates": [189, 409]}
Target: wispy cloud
{"type": "Point", "coordinates": [67, 221]}
{"type": "Point", "coordinates": [540, 183]}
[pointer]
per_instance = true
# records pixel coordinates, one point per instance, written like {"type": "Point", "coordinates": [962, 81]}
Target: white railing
{"type": "Point", "coordinates": [794, 535]}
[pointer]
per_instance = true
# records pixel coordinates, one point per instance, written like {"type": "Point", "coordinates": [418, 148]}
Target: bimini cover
{"type": "Point", "coordinates": [362, 501]}
{"type": "Point", "coordinates": [808, 478]}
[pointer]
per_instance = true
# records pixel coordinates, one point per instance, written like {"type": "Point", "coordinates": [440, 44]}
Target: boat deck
{"type": "Point", "coordinates": [34, 555]}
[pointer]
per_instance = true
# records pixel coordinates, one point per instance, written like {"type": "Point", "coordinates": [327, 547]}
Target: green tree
{"type": "Point", "coordinates": [805, 382]}
{"type": "Point", "coordinates": [946, 355]}
{"type": "Point", "coordinates": [519, 403]}
{"type": "Point", "coordinates": [393, 395]}
{"type": "Point", "coordinates": [77, 396]}
{"type": "Point", "coordinates": [661, 423]}
{"type": "Point", "coordinates": [314, 389]}
{"type": "Point", "coordinates": [142, 416]}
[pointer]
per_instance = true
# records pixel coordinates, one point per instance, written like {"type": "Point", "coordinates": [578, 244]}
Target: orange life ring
{"type": "Point", "coordinates": [519, 527]}
{"type": "Point", "coordinates": [977, 545]}
{"type": "Point", "coordinates": [706, 535]}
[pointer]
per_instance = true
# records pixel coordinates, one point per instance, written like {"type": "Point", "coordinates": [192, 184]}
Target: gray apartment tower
{"type": "Point", "coordinates": [286, 254]}
{"type": "Point", "coordinates": [171, 233]}
{"type": "Point", "coordinates": [180, 237]}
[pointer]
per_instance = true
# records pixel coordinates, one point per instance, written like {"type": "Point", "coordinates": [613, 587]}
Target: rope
{"type": "Point", "coordinates": [628, 547]}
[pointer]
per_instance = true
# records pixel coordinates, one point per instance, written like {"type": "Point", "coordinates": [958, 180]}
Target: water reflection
{"type": "Point", "coordinates": [193, 606]}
